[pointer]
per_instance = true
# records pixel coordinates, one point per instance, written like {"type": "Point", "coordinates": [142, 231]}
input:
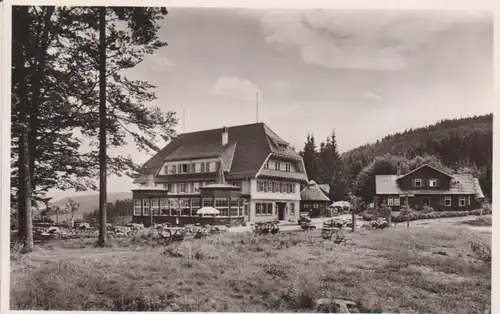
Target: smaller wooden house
{"type": "Point", "coordinates": [428, 186]}
{"type": "Point", "coordinates": [314, 200]}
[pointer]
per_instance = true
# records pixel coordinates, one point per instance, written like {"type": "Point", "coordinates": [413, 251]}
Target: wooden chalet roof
{"type": "Point", "coordinates": [312, 192]}
{"type": "Point", "coordinates": [247, 149]}
{"type": "Point", "coordinates": [460, 184]}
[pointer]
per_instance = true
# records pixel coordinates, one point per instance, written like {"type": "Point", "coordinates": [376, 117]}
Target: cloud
{"type": "Point", "coordinates": [371, 96]}
{"type": "Point", "coordinates": [358, 40]}
{"type": "Point", "coordinates": [235, 87]}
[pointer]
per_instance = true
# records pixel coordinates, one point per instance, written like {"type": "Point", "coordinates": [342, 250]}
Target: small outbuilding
{"type": "Point", "coordinates": [313, 200]}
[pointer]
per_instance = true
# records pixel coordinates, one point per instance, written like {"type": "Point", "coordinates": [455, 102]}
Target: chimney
{"type": "Point", "coordinates": [224, 136]}
{"type": "Point", "coordinates": [398, 171]}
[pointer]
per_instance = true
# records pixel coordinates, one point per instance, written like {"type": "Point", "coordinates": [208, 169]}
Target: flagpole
{"type": "Point", "coordinates": [257, 107]}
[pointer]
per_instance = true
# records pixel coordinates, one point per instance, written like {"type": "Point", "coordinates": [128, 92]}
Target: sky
{"type": "Point", "coordinates": [364, 74]}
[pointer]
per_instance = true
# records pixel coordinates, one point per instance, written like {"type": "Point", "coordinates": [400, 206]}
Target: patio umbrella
{"type": "Point", "coordinates": [341, 204]}
{"type": "Point", "coordinates": [207, 211]}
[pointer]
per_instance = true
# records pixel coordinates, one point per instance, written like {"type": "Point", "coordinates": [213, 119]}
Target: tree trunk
{"type": "Point", "coordinates": [25, 210]}
{"type": "Point", "coordinates": [102, 127]}
{"type": "Point", "coordinates": [353, 222]}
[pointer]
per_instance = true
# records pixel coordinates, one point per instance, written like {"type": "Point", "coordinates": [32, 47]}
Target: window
{"type": "Point", "coordinates": [246, 205]}
{"type": "Point", "coordinates": [292, 208]}
{"type": "Point", "coordinates": [182, 188]}
{"type": "Point", "coordinates": [237, 183]}
{"type": "Point", "coordinates": [269, 186]}
{"type": "Point", "coordinates": [234, 207]}
{"type": "Point", "coordinates": [211, 166]}
{"type": "Point", "coordinates": [259, 208]}
{"type": "Point", "coordinates": [447, 201]}
{"type": "Point", "coordinates": [461, 201]}
{"type": "Point", "coordinates": [390, 201]}
{"type": "Point", "coordinates": [164, 209]}
{"type": "Point", "coordinates": [276, 187]}
{"type": "Point", "coordinates": [185, 208]}
{"type": "Point", "coordinates": [242, 206]}
{"type": "Point", "coordinates": [263, 209]}
{"type": "Point", "coordinates": [137, 207]}
{"type": "Point", "coordinates": [171, 187]}
{"type": "Point", "coordinates": [277, 165]}
{"type": "Point", "coordinates": [315, 205]}
{"type": "Point", "coordinates": [397, 201]}
{"type": "Point", "coordinates": [155, 206]}
{"type": "Point", "coordinates": [433, 183]}
{"type": "Point", "coordinates": [195, 205]}
{"type": "Point", "coordinates": [288, 167]}
{"type": "Point", "coordinates": [208, 202]}
{"type": "Point", "coordinates": [174, 206]}
{"type": "Point", "coordinates": [222, 204]}
{"type": "Point", "coordinates": [289, 188]}
{"type": "Point", "coordinates": [145, 206]}
{"type": "Point", "coordinates": [260, 186]}
{"type": "Point", "coordinates": [184, 168]}
{"type": "Point", "coordinates": [197, 167]}
{"type": "Point", "coordinates": [165, 169]}
{"type": "Point", "coordinates": [417, 183]}
{"type": "Point", "coordinates": [266, 165]}
{"type": "Point", "coordinates": [196, 187]}
{"type": "Point", "coordinates": [270, 208]}
{"type": "Point", "coordinates": [283, 187]}
{"type": "Point", "coordinates": [171, 169]}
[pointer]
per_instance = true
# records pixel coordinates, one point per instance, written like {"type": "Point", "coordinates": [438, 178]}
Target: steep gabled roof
{"type": "Point", "coordinates": [325, 188]}
{"type": "Point", "coordinates": [425, 165]}
{"type": "Point", "coordinates": [312, 192]}
{"type": "Point", "coordinates": [248, 147]}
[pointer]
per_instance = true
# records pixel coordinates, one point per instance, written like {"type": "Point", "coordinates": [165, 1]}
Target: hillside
{"type": "Point", "coordinates": [89, 203]}
{"type": "Point", "coordinates": [456, 142]}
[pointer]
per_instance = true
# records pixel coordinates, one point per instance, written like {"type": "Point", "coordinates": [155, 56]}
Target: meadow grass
{"type": "Point", "coordinates": [432, 270]}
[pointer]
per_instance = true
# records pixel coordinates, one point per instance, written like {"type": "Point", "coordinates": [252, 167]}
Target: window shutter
{"type": "Point", "coordinates": [441, 201]}
{"type": "Point", "coordinates": [174, 169]}
{"type": "Point", "coordinates": [202, 167]}
{"type": "Point", "coordinates": [179, 168]}
{"type": "Point", "coordinates": [188, 168]}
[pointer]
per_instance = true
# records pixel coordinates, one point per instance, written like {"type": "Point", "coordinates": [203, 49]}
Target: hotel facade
{"type": "Point", "coordinates": [247, 172]}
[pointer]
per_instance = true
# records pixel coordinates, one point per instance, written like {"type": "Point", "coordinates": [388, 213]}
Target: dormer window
{"type": "Point", "coordinates": [184, 168]}
{"type": "Point", "coordinates": [288, 167]}
{"type": "Point", "coordinates": [277, 165]}
{"type": "Point", "coordinates": [197, 167]}
{"type": "Point", "coordinates": [433, 183]}
{"type": "Point", "coordinates": [171, 169]}
{"type": "Point", "coordinates": [212, 166]}
{"type": "Point", "coordinates": [417, 183]}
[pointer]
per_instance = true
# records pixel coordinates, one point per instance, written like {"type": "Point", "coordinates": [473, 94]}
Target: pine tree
{"type": "Point", "coordinates": [310, 155]}
{"type": "Point", "coordinates": [55, 71]}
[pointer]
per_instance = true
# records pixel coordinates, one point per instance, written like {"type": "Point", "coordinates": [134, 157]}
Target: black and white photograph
{"type": "Point", "coordinates": [241, 159]}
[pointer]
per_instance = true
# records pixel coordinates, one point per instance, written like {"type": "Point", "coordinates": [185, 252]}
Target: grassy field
{"type": "Point", "coordinates": [433, 270]}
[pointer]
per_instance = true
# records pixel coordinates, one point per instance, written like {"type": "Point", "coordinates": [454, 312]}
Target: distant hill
{"type": "Point", "coordinates": [89, 203]}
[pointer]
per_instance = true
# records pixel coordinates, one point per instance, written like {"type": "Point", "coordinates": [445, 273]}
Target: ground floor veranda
{"type": "Point", "coordinates": [442, 202]}
{"type": "Point", "coordinates": [157, 208]}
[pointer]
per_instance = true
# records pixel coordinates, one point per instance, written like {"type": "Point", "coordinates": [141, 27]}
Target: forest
{"type": "Point", "coordinates": [462, 145]}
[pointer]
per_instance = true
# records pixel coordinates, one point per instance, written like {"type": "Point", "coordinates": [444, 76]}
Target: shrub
{"type": "Point", "coordinates": [413, 215]}
{"type": "Point", "coordinates": [427, 209]}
